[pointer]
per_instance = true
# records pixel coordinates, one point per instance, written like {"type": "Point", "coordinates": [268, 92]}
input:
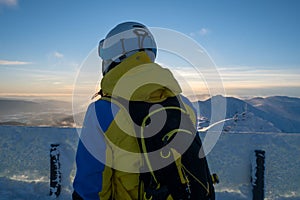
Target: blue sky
{"type": "Point", "coordinates": [255, 44]}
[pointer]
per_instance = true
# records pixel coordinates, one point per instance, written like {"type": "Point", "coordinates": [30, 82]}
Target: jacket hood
{"type": "Point", "coordinates": [138, 79]}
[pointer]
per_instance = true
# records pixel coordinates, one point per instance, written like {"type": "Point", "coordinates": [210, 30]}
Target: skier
{"type": "Point", "coordinates": [108, 157]}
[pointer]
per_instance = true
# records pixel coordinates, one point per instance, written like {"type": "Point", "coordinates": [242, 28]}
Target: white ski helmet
{"type": "Point", "coordinates": [123, 41]}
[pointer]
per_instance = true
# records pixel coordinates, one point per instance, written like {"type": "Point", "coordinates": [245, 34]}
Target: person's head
{"type": "Point", "coordinates": [123, 41]}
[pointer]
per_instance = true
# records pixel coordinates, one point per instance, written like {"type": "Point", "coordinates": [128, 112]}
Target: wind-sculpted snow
{"type": "Point", "coordinates": [25, 165]}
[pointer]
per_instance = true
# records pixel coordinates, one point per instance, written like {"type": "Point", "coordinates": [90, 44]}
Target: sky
{"type": "Point", "coordinates": [255, 44]}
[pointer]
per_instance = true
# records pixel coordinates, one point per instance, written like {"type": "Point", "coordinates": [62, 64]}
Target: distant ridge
{"type": "Point", "coordinates": [278, 113]}
{"type": "Point", "coordinates": [282, 111]}
{"type": "Point", "coordinates": [269, 114]}
{"type": "Point", "coordinates": [36, 113]}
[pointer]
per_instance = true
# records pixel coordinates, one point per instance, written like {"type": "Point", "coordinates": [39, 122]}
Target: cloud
{"type": "Point", "coordinates": [259, 77]}
{"type": "Point", "coordinates": [58, 54]}
{"type": "Point", "coordinates": [239, 80]}
{"type": "Point", "coordinates": [10, 3]}
{"type": "Point", "coordinates": [201, 32]}
{"type": "Point", "coordinates": [9, 62]}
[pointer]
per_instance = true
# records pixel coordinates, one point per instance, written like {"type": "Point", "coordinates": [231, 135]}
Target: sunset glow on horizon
{"type": "Point", "coordinates": [254, 44]}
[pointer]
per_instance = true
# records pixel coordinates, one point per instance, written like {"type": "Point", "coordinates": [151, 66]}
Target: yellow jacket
{"type": "Point", "coordinates": [108, 157]}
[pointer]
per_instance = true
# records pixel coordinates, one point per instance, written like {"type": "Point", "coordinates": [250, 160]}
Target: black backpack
{"type": "Point", "coordinates": [171, 147]}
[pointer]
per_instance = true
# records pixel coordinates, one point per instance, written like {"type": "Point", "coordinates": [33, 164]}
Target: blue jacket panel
{"type": "Point", "coordinates": [90, 156]}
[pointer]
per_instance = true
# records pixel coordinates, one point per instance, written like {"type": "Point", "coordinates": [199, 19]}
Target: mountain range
{"type": "Point", "coordinates": [270, 114]}
{"type": "Point", "coordinates": [36, 113]}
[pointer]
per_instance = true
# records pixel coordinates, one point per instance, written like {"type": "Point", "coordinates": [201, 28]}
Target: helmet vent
{"type": "Point", "coordinates": [137, 26]}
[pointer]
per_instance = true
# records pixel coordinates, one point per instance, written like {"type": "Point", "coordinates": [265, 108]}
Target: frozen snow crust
{"type": "Point", "coordinates": [25, 165]}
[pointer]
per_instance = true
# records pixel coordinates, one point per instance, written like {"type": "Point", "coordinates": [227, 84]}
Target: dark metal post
{"type": "Point", "coordinates": [258, 178]}
{"type": "Point", "coordinates": [55, 174]}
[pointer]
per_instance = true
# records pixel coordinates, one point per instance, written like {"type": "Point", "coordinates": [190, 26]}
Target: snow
{"type": "Point", "coordinates": [231, 160]}
{"type": "Point", "coordinates": [272, 114]}
{"type": "Point", "coordinates": [25, 163]}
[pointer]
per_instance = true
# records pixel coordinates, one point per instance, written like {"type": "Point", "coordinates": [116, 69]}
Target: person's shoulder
{"type": "Point", "coordinates": [105, 105]}
{"type": "Point", "coordinates": [100, 104]}
{"type": "Point", "coordinates": [104, 111]}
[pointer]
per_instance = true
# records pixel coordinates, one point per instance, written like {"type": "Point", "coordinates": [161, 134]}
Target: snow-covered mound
{"type": "Point", "coordinates": [271, 114]}
{"type": "Point", "coordinates": [25, 163]}
{"type": "Point", "coordinates": [282, 111]}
